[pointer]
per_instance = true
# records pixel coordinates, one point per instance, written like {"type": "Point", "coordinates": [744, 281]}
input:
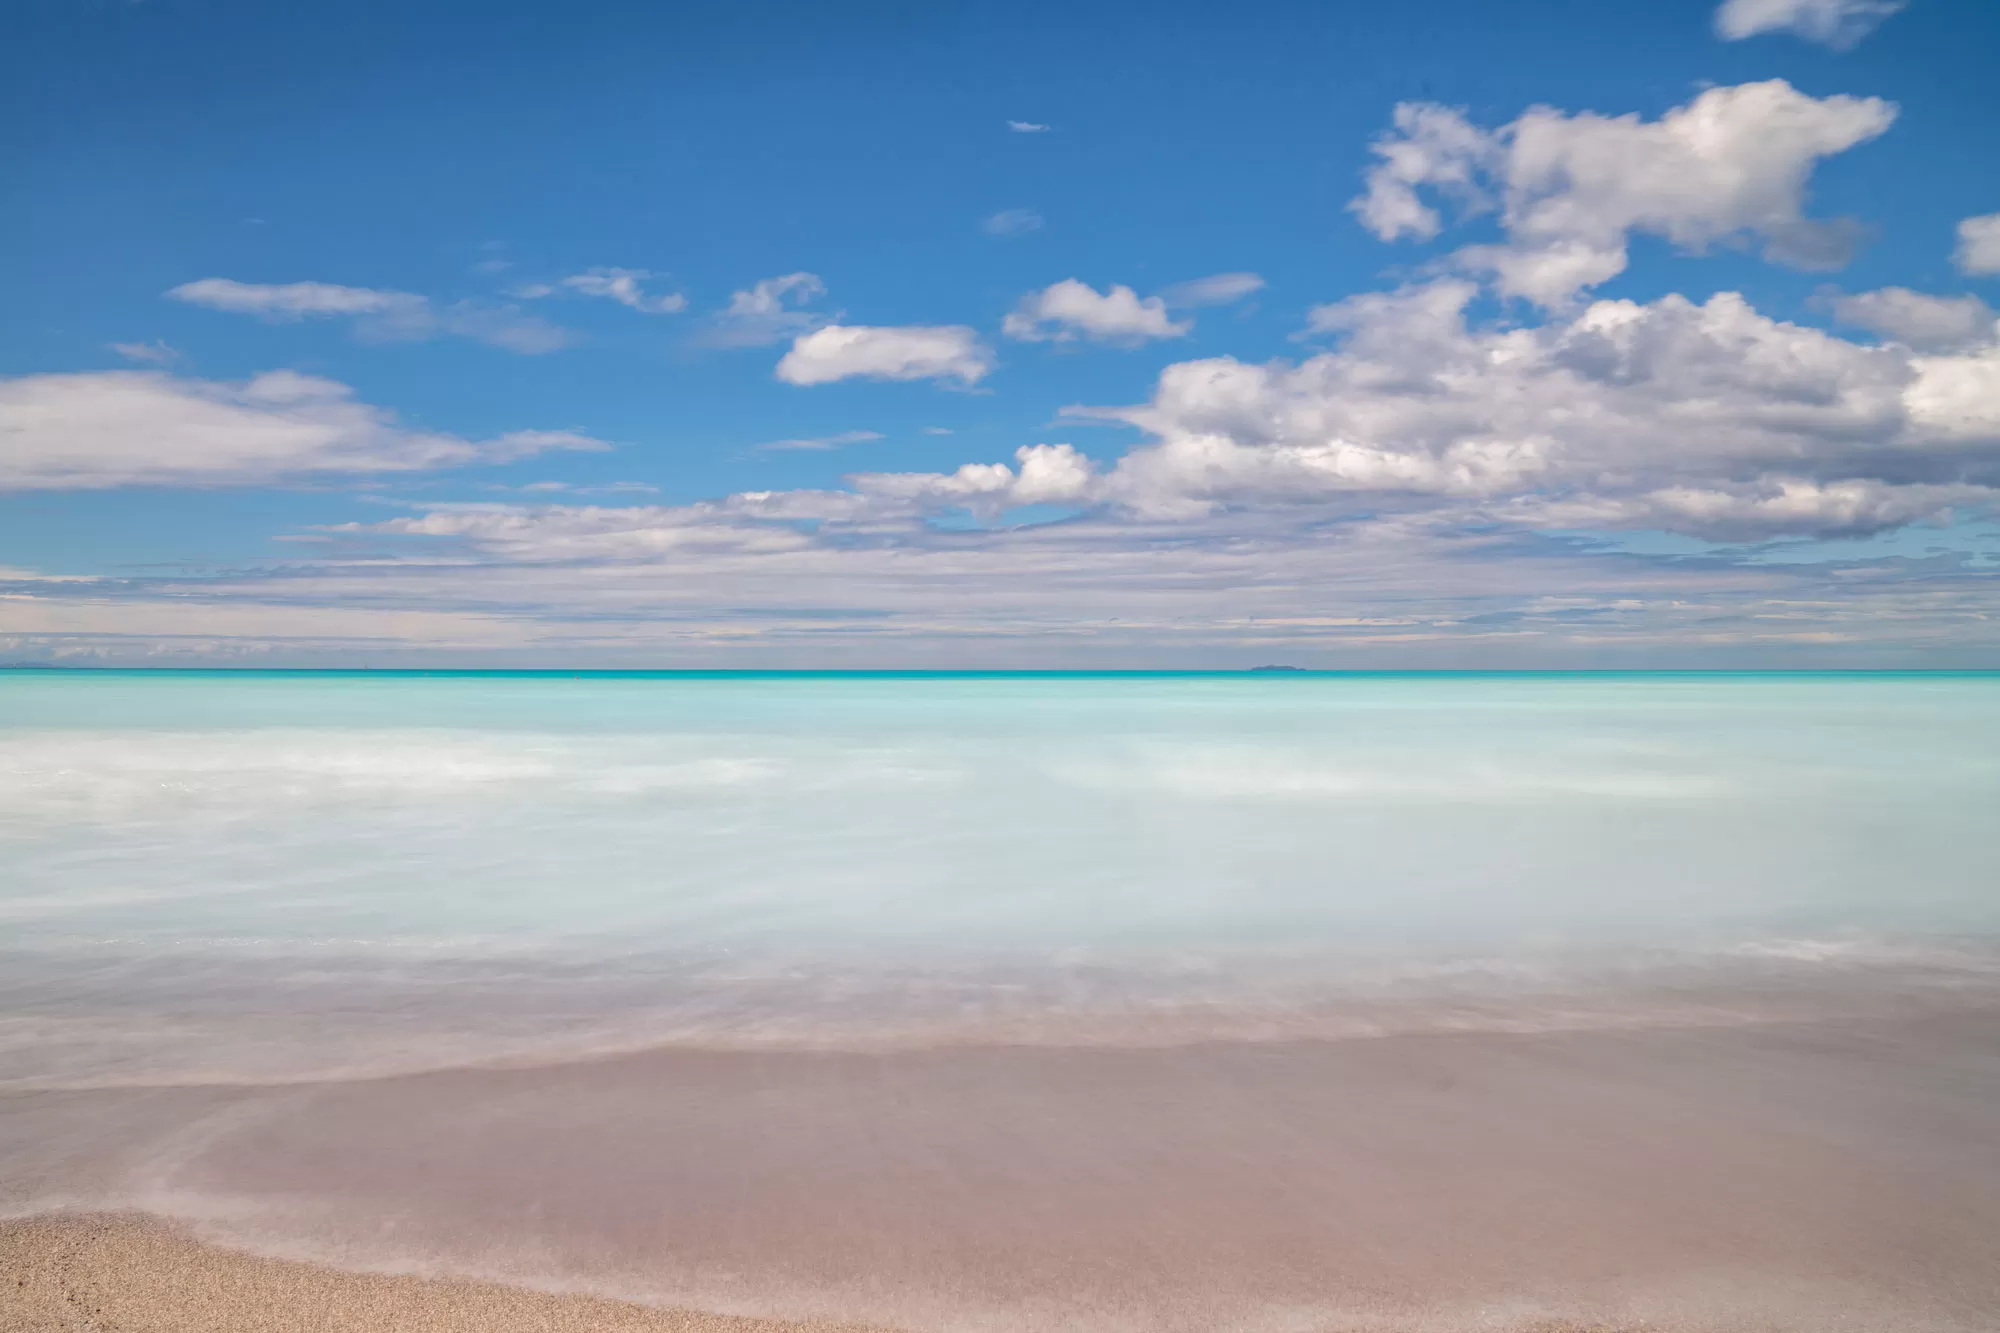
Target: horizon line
{"type": "Point", "coordinates": [1274, 670]}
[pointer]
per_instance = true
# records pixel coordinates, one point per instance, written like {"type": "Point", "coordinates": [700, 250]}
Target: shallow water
{"type": "Point", "coordinates": [977, 1001]}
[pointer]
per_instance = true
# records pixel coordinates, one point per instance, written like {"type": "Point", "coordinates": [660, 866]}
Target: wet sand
{"type": "Point", "coordinates": [100, 1272]}
{"type": "Point", "coordinates": [1765, 1178]}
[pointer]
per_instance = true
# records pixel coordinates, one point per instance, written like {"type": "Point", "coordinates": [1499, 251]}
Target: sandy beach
{"type": "Point", "coordinates": [136, 1275]}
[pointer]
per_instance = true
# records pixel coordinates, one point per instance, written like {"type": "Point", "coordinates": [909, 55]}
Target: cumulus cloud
{"type": "Point", "coordinates": [1012, 222]}
{"type": "Point", "coordinates": [1835, 23]}
{"type": "Point", "coordinates": [1701, 418]}
{"type": "Point", "coordinates": [1570, 189]}
{"type": "Point", "coordinates": [767, 312]}
{"type": "Point", "coordinates": [1431, 147]}
{"type": "Point", "coordinates": [389, 316]}
{"type": "Point", "coordinates": [143, 428]}
{"type": "Point", "coordinates": [910, 352]}
{"type": "Point", "coordinates": [1045, 474]}
{"type": "Point", "coordinates": [1068, 310]}
{"type": "Point", "coordinates": [622, 285]}
{"type": "Point", "coordinates": [1927, 323]}
{"type": "Point", "coordinates": [1027, 127]}
{"type": "Point", "coordinates": [1978, 245]}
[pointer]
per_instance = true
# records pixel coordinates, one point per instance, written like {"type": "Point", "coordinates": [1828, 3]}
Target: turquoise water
{"type": "Point", "coordinates": [504, 856]}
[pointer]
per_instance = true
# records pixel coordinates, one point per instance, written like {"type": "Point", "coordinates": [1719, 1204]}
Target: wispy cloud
{"type": "Point", "coordinates": [767, 312]}
{"type": "Point", "coordinates": [1978, 251]}
{"type": "Point", "coordinates": [613, 284]}
{"type": "Point", "coordinates": [819, 442]}
{"type": "Point", "coordinates": [1217, 289]}
{"type": "Point", "coordinates": [496, 260]}
{"type": "Point", "coordinates": [378, 314]}
{"type": "Point", "coordinates": [1011, 223]}
{"type": "Point", "coordinates": [576, 488]}
{"type": "Point", "coordinates": [145, 428]}
{"type": "Point", "coordinates": [155, 353]}
{"type": "Point", "coordinates": [1027, 127]}
{"type": "Point", "coordinates": [292, 300]}
{"type": "Point", "coordinates": [1835, 23]}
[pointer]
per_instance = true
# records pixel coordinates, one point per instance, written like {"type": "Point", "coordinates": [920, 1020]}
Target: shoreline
{"type": "Point", "coordinates": [1692, 1181]}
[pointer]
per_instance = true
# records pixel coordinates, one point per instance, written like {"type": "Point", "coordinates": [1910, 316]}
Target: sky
{"type": "Point", "coordinates": [430, 333]}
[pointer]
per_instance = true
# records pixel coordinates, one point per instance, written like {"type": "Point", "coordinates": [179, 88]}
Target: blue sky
{"type": "Point", "coordinates": [402, 333]}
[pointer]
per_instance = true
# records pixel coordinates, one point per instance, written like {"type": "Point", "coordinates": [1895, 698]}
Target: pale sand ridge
{"type": "Point", "coordinates": [127, 1273]}
{"type": "Point", "coordinates": [65, 1273]}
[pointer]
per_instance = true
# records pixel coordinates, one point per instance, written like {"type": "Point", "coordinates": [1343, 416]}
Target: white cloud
{"type": "Point", "coordinates": [1759, 511]}
{"type": "Point", "coordinates": [1027, 127]}
{"type": "Point", "coordinates": [144, 428]}
{"type": "Point", "coordinates": [767, 312]}
{"type": "Point", "coordinates": [291, 300]}
{"type": "Point", "coordinates": [1013, 222]}
{"type": "Point", "coordinates": [389, 316]}
{"type": "Point", "coordinates": [820, 442]}
{"type": "Point", "coordinates": [847, 578]}
{"type": "Point", "coordinates": [1386, 502]}
{"type": "Point", "coordinates": [1432, 147]}
{"type": "Point", "coordinates": [1927, 323]}
{"type": "Point", "coordinates": [1068, 310]}
{"type": "Point", "coordinates": [1414, 495]}
{"type": "Point", "coordinates": [1979, 245]}
{"type": "Point", "coordinates": [1570, 189]}
{"type": "Point", "coordinates": [623, 286]}
{"type": "Point", "coordinates": [1699, 418]}
{"type": "Point", "coordinates": [912, 352]}
{"type": "Point", "coordinates": [155, 353]}
{"type": "Point", "coordinates": [647, 590]}
{"type": "Point", "coordinates": [1217, 289]}
{"type": "Point", "coordinates": [570, 533]}
{"type": "Point", "coordinates": [1955, 399]}
{"type": "Point", "coordinates": [1046, 474]}
{"type": "Point", "coordinates": [1835, 23]}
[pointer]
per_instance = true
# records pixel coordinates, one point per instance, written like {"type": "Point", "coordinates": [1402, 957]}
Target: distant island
{"type": "Point", "coordinates": [1277, 668]}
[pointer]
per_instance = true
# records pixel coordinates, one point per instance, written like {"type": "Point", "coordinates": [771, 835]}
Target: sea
{"type": "Point", "coordinates": [994, 1001]}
